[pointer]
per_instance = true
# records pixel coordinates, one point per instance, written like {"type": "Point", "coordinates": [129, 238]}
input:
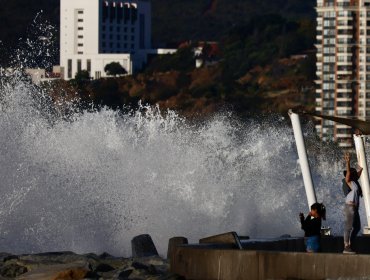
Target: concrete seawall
{"type": "Point", "coordinates": [329, 244]}
{"type": "Point", "coordinates": [227, 256]}
{"type": "Point", "coordinates": [194, 262]}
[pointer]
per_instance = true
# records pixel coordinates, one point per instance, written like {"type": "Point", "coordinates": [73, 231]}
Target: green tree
{"type": "Point", "coordinates": [82, 76]}
{"type": "Point", "coordinates": [114, 69]}
{"type": "Point", "coordinates": [183, 60]}
{"type": "Point", "coordinates": [81, 79]}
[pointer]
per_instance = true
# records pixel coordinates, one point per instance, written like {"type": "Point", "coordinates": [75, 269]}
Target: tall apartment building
{"type": "Point", "coordinates": [343, 65]}
{"type": "Point", "coordinates": [95, 33]}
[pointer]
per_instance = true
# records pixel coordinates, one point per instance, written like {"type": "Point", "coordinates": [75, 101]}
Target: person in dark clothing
{"type": "Point", "coordinates": [312, 226]}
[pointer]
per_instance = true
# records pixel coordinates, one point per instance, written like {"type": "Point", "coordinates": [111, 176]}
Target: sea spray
{"type": "Point", "coordinates": [40, 48]}
{"type": "Point", "coordinates": [92, 182]}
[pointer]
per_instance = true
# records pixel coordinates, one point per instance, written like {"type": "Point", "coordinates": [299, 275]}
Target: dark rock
{"type": "Point", "coordinates": [154, 260]}
{"type": "Point", "coordinates": [143, 246]}
{"type": "Point", "coordinates": [103, 267]}
{"type": "Point", "coordinates": [173, 243]}
{"type": "Point", "coordinates": [162, 269]}
{"type": "Point", "coordinates": [12, 270]}
{"type": "Point", "coordinates": [92, 275]}
{"type": "Point", "coordinates": [9, 257]}
{"type": "Point", "coordinates": [92, 256]}
{"type": "Point", "coordinates": [68, 265]}
{"type": "Point", "coordinates": [58, 257]}
{"type": "Point", "coordinates": [147, 269]}
{"type": "Point", "coordinates": [55, 254]}
{"type": "Point", "coordinates": [105, 255]}
{"type": "Point", "coordinates": [138, 265]}
{"type": "Point", "coordinates": [108, 275]}
{"type": "Point", "coordinates": [152, 270]}
{"type": "Point", "coordinates": [125, 273]}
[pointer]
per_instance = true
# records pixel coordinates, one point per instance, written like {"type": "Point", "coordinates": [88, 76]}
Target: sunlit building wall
{"type": "Point", "coordinates": [343, 65]}
{"type": "Point", "coordinates": [95, 33]}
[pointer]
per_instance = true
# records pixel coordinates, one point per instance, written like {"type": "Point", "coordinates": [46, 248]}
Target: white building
{"type": "Point", "coordinates": [343, 65]}
{"type": "Point", "coordinates": [95, 33]}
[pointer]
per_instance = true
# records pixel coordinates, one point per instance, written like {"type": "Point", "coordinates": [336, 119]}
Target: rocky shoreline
{"type": "Point", "coordinates": [145, 263]}
{"type": "Point", "coordinates": [71, 266]}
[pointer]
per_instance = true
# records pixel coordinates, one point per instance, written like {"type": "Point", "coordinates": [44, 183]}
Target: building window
{"type": "Point", "coordinates": [80, 20]}
{"type": "Point", "coordinates": [132, 29]}
{"type": "Point", "coordinates": [79, 65]}
{"type": "Point", "coordinates": [142, 31]}
{"type": "Point", "coordinates": [132, 46]}
{"type": "Point", "coordinates": [118, 45]}
{"type": "Point", "coordinates": [80, 36]}
{"type": "Point", "coordinates": [118, 29]}
{"type": "Point", "coordinates": [80, 28]}
{"type": "Point", "coordinates": [97, 74]}
{"type": "Point", "coordinates": [80, 52]}
{"type": "Point", "coordinates": [133, 15]}
{"type": "Point", "coordinates": [126, 13]}
{"type": "Point", "coordinates": [88, 65]}
{"type": "Point", "coordinates": [111, 45]}
{"type": "Point", "coordinates": [132, 38]}
{"type": "Point", "coordinates": [118, 37]}
{"type": "Point", "coordinates": [119, 14]}
{"type": "Point", "coordinates": [111, 28]}
{"type": "Point", "coordinates": [104, 44]}
{"type": "Point", "coordinates": [112, 12]}
{"type": "Point", "coordinates": [80, 12]}
{"type": "Point", "coordinates": [80, 45]}
{"type": "Point", "coordinates": [105, 10]}
{"type": "Point", "coordinates": [111, 36]}
{"type": "Point", "coordinates": [69, 68]}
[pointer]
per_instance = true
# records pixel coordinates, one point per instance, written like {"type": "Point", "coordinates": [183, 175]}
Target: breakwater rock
{"type": "Point", "coordinates": [71, 266]}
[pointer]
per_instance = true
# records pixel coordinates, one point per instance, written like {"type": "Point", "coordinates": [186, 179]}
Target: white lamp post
{"type": "Point", "coordinates": [364, 179]}
{"type": "Point", "coordinates": [303, 160]}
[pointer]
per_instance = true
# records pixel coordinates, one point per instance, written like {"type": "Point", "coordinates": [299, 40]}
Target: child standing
{"type": "Point", "coordinates": [312, 226]}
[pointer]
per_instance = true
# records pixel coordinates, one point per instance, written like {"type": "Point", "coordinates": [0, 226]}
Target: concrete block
{"type": "Point", "coordinates": [231, 238]}
{"type": "Point", "coordinates": [173, 243]}
{"type": "Point", "coordinates": [143, 246]}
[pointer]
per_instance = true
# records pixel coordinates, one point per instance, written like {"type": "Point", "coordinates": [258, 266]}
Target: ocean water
{"type": "Point", "coordinates": [93, 180]}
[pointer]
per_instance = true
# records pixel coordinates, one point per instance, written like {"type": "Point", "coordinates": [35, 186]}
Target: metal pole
{"type": "Point", "coordinates": [364, 179]}
{"type": "Point", "coordinates": [303, 160]}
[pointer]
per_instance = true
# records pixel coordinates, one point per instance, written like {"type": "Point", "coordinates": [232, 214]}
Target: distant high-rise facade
{"type": "Point", "coordinates": [95, 33]}
{"type": "Point", "coordinates": [343, 65]}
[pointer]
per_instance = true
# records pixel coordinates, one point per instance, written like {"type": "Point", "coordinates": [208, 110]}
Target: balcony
{"type": "Point", "coordinates": [344, 93]}
{"type": "Point", "coordinates": [345, 77]}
